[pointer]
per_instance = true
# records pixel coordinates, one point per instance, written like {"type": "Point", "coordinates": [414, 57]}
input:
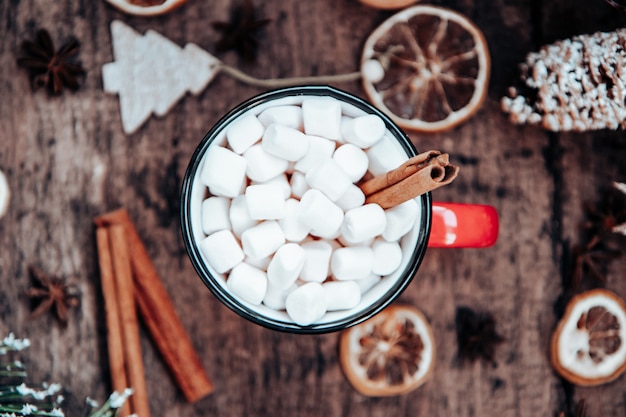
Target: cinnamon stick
{"type": "Point", "coordinates": [128, 316]}
{"type": "Point", "coordinates": [159, 314]}
{"type": "Point", "coordinates": [420, 174]}
{"type": "Point", "coordinates": [117, 364]}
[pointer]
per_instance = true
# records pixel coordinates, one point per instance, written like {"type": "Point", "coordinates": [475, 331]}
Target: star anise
{"type": "Point", "coordinates": [49, 68]}
{"type": "Point", "coordinates": [51, 292]}
{"type": "Point", "coordinates": [602, 221]}
{"type": "Point", "coordinates": [618, 4]}
{"type": "Point", "coordinates": [476, 335]}
{"type": "Point", "coordinates": [581, 409]}
{"type": "Point", "coordinates": [240, 32]}
{"type": "Point", "coordinates": [591, 259]}
{"type": "Point", "coordinates": [608, 215]}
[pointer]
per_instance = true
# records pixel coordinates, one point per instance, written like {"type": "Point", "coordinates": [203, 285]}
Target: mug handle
{"type": "Point", "coordinates": [456, 225]}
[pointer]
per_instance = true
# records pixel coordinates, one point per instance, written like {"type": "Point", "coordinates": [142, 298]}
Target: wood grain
{"type": "Point", "coordinates": [67, 160]}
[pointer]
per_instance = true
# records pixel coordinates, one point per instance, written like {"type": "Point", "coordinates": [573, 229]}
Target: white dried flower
{"type": "Point", "coordinates": [117, 400]}
{"type": "Point", "coordinates": [49, 390]}
{"type": "Point", "coordinates": [28, 409]}
{"type": "Point", "coordinates": [11, 343]}
{"type": "Point", "coordinates": [57, 412]}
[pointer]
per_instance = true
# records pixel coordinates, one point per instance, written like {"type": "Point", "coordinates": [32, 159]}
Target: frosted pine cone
{"type": "Point", "coordinates": [577, 84]}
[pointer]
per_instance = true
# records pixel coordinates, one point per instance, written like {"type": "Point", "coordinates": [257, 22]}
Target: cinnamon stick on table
{"type": "Point", "coordinates": [159, 314]}
{"type": "Point", "coordinates": [114, 326]}
{"type": "Point", "coordinates": [128, 316]}
{"type": "Point", "coordinates": [419, 175]}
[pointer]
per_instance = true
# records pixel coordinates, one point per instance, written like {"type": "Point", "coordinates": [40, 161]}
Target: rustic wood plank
{"type": "Point", "coordinates": [67, 161]}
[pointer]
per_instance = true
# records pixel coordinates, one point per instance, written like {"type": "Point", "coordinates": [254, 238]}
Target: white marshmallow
{"type": "Point", "coordinates": [260, 263]}
{"type": "Point", "coordinates": [352, 198]}
{"type": "Point", "coordinates": [262, 166]}
{"type": "Point", "coordinates": [362, 223]}
{"type": "Point", "coordinates": [239, 216]}
{"type": "Point", "coordinates": [329, 178]}
{"type": "Point", "coordinates": [286, 265]}
{"type": "Point", "coordinates": [387, 256]}
{"type": "Point", "coordinates": [244, 132]}
{"type": "Point", "coordinates": [366, 284]}
{"type": "Point", "coordinates": [280, 180]}
{"type": "Point", "coordinates": [285, 142]}
{"type": "Point", "coordinates": [325, 235]}
{"type": "Point", "coordinates": [320, 149]}
{"type": "Point", "coordinates": [293, 228]}
{"type": "Point", "coordinates": [265, 201]}
{"type": "Point", "coordinates": [353, 160]}
{"type": "Point", "coordinates": [320, 214]}
{"type": "Point", "coordinates": [400, 220]}
{"type": "Point", "coordinates": [306, 304]}
{"type": "Point", "coordinates": [317, 260]}
{"type": "Point", "coordinates": [322, 117]}
{"type": "Point", "coordinates": [215, 214]}
{"type": "Point", "coordinates": [275, 297]}
{"type": "Point", "coordinates": [363, 131]}
{"type": "Point", "coordinates": [341, 295]}
{"type": "Point", "coordinates": [262, 240]}
{"type": "Point", "coordinates": [343, 242]}
{"type": "Point", "coordinates": [352, 263]}
{"type": "Point", "coordinates": [221, 250]}
{"type": "Point", "coordinates": [385, 156]}
{"type": "Point", "coordinates": [299, 185]}
{"type": "Point", "coordinates": [344, 119]}
{"type": "Point", "coordinates": [290, 116]}
{"type": "Point", "coordinates": [224, 172]}
{"type": "Point", "coordinates": [248, 283]}
{"type": "Point", "coordinates": [350, 110]}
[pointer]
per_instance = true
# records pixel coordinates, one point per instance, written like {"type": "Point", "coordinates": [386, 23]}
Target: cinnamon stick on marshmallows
{"type": "Point", "coordinates": [420, 174]}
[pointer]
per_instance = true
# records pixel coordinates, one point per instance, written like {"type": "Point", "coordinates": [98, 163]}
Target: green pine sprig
{"type": "Point", "coordinates": [18, 399]}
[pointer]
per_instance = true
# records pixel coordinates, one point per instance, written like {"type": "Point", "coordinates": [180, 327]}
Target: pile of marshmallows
{"type": "Point", "coordinates": [284, 218]}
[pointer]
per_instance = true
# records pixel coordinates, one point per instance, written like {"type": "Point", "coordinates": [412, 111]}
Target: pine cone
{"type": "Point", "coordinates": [576, 84]}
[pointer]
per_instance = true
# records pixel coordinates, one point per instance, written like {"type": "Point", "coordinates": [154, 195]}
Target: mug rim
{"type": "Point", "coordinates": [228, 299]}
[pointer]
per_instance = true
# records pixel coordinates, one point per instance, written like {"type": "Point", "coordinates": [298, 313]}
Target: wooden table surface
{"type": "Point", "coordinates": [67, 160]}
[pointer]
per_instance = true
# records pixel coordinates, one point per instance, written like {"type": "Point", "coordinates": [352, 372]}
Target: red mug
{"type": "Point", "coordinates": [456, 225]}
{"type": "Point", "coordinates": [438, 225]}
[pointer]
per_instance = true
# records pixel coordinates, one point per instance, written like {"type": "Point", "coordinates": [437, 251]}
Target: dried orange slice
{"type": "Point", "coordinates": [390, 354]}
{"type": "Point", "coordinates": [589, 344]}
{"type": "Point", "coordinates": [427, 68]}
{"type": "Point", "coordinates": [388, 4]}
{"type": "Point", "coordinates": [146, 7]}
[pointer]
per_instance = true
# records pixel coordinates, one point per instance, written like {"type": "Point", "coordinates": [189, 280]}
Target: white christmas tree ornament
{"type": "Point", "coordinates": [151, 74]}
